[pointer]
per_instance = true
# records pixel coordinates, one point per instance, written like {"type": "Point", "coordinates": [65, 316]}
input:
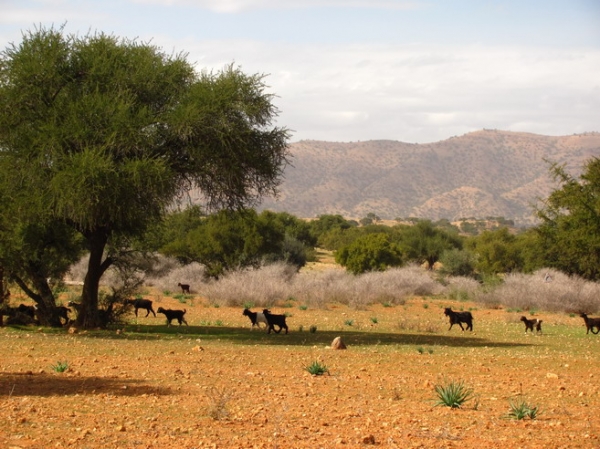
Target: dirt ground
{"type": "Point", "coordinates": [218, 384]}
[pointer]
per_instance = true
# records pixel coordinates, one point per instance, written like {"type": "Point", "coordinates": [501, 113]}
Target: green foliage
{"type": "Point", "coordinates": [454, 394]}
{"type": "Point", "coordinates": [372, 252]}
{"type": "Point", "coordinates": [458, 262]}
{"type": "Point", "coordinates": [317, 368]}
{"type": "Point", "coordinates": [60, 367]}
{"type": "Point", "coordinates": [570, 229]}
{"type": "Point", "coordinates": [103, 134]}
{"type": "Point", "coordinates": [497, 252]}
{"type": "Point", "coordinates": [519, 409]}
{"type": "Point", "coordinates": [423, 242]}
{"type": "Point", "coordinates": [326, 223]}
{"type": "Point", "coordinates": [228, 240]}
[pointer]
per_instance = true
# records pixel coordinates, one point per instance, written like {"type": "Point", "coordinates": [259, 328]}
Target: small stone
{"type": "Point", "coordinates": [338, 343]}
{"type": "Point", "coordinates": [369, 439]}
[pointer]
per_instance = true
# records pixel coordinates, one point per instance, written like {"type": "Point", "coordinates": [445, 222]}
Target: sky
{"type": "Point", "coordinates": [415, 71]}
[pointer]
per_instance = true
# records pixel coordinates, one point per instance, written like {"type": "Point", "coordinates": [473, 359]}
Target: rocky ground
{"type": "Point", "coordinates": [217, 384]}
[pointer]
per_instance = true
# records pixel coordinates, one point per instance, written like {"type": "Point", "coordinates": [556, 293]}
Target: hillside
{"type": "Point", "coordinates": [480, 174]}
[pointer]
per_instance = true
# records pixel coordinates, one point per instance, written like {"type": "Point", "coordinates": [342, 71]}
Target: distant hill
{"type": "Point", "coordinates": [481, 174]}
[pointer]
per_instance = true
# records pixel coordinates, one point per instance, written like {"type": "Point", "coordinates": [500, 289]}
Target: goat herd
{"type": "Point", "coordinates": [270, 320]}
{"type": "Point", "coordinates": [467, 318]}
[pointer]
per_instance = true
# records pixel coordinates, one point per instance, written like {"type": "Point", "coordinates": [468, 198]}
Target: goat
{"type": "Point", "coordinates": [75, 305]}
{"type": "Point", "coordinates": [591, 323]}
{"type": "Point", "coordinates": [275, 320]}
{"type": "Point", "coordinates": [459, 318]}
{"type": "Point", "coordinates": [255, 318]}
{"type": "Point", "coordinates": [529, 324]}
{"type": "Point", "coordinates": [185, 288]}
{"type": "Point", "coordinates": [63, 312]}
{"type": "Point", "coordinates": [140, 303]}
{"type": "Point", "coordinates": [26, 310]}
{"type": "Point", "coordinates": [19, 315]}
{"type": "Point", "coordinates": [174, 315]}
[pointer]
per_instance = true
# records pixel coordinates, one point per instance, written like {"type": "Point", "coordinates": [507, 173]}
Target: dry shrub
{"type": "Point", "coordinates": [562, 294]}
{"type": "Point", "coordinates": [150, 269]}
{"type": "Point", "coordinates": [462, 288]}
{"type": "Point", "coordinates": [192, 274]}
{"type": "Point", "coordinates": [318, 288]}
{"type": "Point", "coordinates": [261, 287]}
{"type": "Point", "coordinates": [392, 286]}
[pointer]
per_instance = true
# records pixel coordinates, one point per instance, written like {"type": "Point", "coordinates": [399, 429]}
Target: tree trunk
{"type": "Point", "coordinates": [88, 316]}
{"type": "Point", "coordinates": [2, 294]}
{"type": "Point", "coordinates": [43, 297]}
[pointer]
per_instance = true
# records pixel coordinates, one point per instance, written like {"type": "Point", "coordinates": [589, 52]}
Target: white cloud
{"type": "Point", "coordinates": [237, 6]}
{"type": "Point", "coordinates": [399, 89]}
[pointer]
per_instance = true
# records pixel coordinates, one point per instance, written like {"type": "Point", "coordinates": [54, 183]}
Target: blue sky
{"type": "Point", "coordinates": [346, 70]}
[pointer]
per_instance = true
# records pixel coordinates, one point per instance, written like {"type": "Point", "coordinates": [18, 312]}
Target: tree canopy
{"type": "Point", "coordinates": [104, 134]}
{"type": "Point", "coordinates": [570, 229]}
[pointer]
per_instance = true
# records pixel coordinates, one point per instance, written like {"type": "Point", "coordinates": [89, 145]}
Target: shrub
{"type": "Point", "coordinates": [530, 292]}
{"type": "Point", "coordinates": [521, 410]}
{"type": "Point", "coordinates": [316, 368]}
{"type": "Point", "coordinates": [454, 394]}
{"type": "Point", "coordinates": [60, 367]}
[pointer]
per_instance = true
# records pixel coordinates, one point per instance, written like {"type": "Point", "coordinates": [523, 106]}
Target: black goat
{"type": "Point", "coordinates": [173, 315]}
{"type": "Point", "coordinates": [591, 323]}
{"type": "Point", "coordinates": [185, 288]}
{"type": "Point", "coordinates": [26, 310]}
{"type": "Point", "coordinates": [459, 318]}
{"type": "Point", "coordinates": [255, 318]}
{"type": "Point", "coordinates": [275, 320]}
{"type": "Point", "coordinates": [141, 304]}
{"type": "Point", "coordinates": [63, 312]}
{"type": "Point", "coordinates": [529, 324]}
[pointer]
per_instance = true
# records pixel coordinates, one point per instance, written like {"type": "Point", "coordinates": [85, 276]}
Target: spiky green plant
{"type": "Point", "coordinates": [519, 409]}
{"type": "Point", "coordinates": [317, 368]}
{"type": "Point", "coordinates": [60, 367]}
{"type": "Point", "coordinates": [454, 394]}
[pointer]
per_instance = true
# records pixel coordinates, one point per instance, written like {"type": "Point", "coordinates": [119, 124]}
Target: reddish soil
{"type": "Point", "coordinates": [217, 384]}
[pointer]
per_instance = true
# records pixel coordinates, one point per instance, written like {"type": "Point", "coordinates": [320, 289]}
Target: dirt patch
{"type": "Point", "coordinates": [219, 384]}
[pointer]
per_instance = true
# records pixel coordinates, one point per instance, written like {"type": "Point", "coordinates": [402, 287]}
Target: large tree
{"type": "Point", "coordinates": [104, 134]}
{"type": "Point", "coordinates": [570, 228]}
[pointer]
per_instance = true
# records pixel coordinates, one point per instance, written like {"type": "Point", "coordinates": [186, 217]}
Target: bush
{"type": "Point", "coordinates": [531, 292]}
{"type": "Point", "coordinates": [454, 394]}
{"type": "Point", "coordinates": [316, 368]}
{"type": "Point", "coordinates": [521, 410]}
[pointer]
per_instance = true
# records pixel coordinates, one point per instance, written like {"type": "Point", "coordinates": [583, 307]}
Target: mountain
{"type": "Point", "coordinates": [480, 174]}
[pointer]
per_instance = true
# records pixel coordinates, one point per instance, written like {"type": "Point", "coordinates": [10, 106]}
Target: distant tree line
{"type": "Point", "coordinates": [567, 239]}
